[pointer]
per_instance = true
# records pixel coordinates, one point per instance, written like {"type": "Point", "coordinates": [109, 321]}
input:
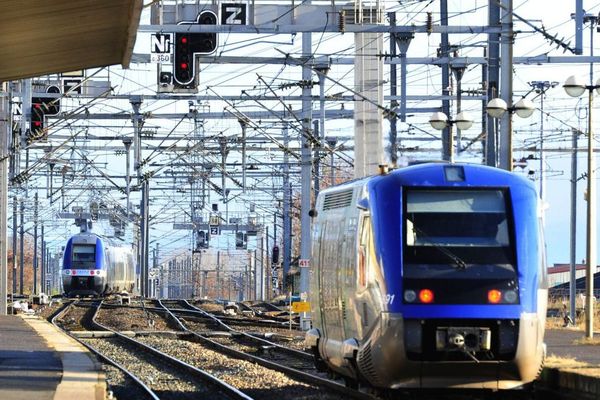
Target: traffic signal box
{"type": "Point", "coordinates": [187, 45]}
{"type": "Point", "coordinates": [40, 107]}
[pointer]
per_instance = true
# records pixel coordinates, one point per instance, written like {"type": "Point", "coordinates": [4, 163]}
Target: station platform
{"type": "Point", "coordinates": [37, 361]}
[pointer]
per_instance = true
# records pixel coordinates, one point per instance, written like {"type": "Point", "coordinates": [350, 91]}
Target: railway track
{"type": "Point", "coordinates": [213, 332]}
{"type": "Point", "coordinates": [255, 376]}
{"type": "Point", "coordinates": [255, 367]}
{"type": "Point", "coordinates": [155, 374]}
{"type": "Point", "coordinates": [121, 382]}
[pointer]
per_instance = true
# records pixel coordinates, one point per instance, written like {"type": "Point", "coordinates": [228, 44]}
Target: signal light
{"type": "Point", "coordinates": [241, 240]}
{"type": "Point", "coordinates": [37, 122]}
{"type": "Point", "coordinates": [426, 296]}
{"type": "Point", "coordinates": [187, 45]}
{"type": "Point", "coordinates": [40, 107]}
{"type": "Point", "coordinates": [494, 296]}
{"type": "Point", "coordinates": [275, 255]}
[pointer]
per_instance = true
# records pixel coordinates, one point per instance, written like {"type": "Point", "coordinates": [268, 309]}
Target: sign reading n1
{"type": "Point", "coordinates": [234, 14]}
{"type": "Point", "coordinates": [160, 48]}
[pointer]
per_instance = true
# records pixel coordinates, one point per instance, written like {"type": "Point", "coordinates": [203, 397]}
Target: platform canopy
{"type": "Point", "coordinates": [40, 37]}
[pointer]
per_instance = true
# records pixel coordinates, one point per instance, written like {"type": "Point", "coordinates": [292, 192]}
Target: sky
{"type": "Point", "coordinates": [562, 113]}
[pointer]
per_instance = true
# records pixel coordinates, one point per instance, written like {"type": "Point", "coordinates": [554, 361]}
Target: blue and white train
{"type": "Point", "coordinates": [92, 266]}
{"type": "Point", "coordinates": [431, 276]}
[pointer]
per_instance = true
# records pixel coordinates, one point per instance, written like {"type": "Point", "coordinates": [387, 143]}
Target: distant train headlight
{"type": "Point", "coordinates": [510, 296]}
{"type": "Point", "coordinates": [410, 296]}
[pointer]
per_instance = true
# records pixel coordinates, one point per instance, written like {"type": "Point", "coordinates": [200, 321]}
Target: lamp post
{"type": "Point", "coordinates": [575, 87]}
{"type": "Point", "coordinates": [497, 107]}
{"type": "Point", "coordinates": [440, 121]}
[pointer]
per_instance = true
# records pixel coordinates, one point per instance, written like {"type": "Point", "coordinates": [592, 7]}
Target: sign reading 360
{"type": "Point", "coordinates": [234, 14]}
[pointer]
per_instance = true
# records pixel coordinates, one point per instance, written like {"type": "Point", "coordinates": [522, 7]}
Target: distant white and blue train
{"type": "Point", "coordinates": [431, 276]}
{"type": "Point", "coordinates": [93, 266]}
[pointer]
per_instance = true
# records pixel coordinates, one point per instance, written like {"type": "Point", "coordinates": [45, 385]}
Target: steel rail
{"type": "Point", "coordinates": [104, 358]}
{"type": "Point", "coordinates": [295, 373]}
{"type": "Point", "coordinates": [224, 387]}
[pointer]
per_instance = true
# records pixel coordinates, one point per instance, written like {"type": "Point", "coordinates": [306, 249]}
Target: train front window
{"type": "Point", "coordinates": [84, 255]}
{"type": "Point", "coordinates": [457, 230]}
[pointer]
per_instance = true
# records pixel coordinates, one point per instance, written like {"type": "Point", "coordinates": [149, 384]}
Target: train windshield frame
{"type": "Point", "coordinates": [83, 256]}
{"type": "Point", "coordinates": [458, 233]}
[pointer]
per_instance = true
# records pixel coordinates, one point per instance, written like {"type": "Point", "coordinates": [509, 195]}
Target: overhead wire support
{"type": "Point", "coordinates": [232, 109]}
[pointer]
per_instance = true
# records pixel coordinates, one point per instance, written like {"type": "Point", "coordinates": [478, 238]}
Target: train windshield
{"type": "Point", "coordinates": [447, 231]}
{"type": "Point", "coordinates": [84, 255]}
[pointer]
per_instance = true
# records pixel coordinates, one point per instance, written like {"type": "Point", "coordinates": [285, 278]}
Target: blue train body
{"type": "Point", "coordinates": [431, 276]}
{"type": "Point", "coordinates": [92, 266]}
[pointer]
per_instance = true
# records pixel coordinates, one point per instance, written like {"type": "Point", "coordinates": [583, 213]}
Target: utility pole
{"type": "Point", "coordinates": [22, 246]}
{"type": "Point", "coordinates": [14, 244]}
{"type": "Point", "coordinates": [5, 128]}
{"type": "Point", "coordinates": [506, 49]}
{"type": "Point", "coordinates": [541, 87]}
{"type": "Point", "coordinates": [573, 242]}
{"type": "Point", "coordinates": [445, 53]}
{"type": "Point", "coordinates": [43, 263]}
{"type": "Point", "coordinates": [287, 208]}
{"type": "Point", "coordinates": [493, 80]}
{"type": "Point", "coordinates": [35, 242]}
{"type": "Point", "coordinates": [306, 166]}
{"type": "Point", "coordinates": [136, 102]}
{"type": "Point", "coordinates": [127, 142]}
{"type": "Point", "coordinates": [145, 230]}
{"type": "Point", "coordinates": [392, 116]}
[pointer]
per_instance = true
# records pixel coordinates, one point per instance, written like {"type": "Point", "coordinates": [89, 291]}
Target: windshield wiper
{"type": "Point", "coordinates": [459, 263]}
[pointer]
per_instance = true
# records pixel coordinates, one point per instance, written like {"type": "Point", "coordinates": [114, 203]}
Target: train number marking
{"type": "Point", "coordinates": [389, 298]}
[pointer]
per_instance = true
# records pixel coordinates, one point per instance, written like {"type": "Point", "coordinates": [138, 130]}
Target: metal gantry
{"type": "Point", "coordinates": [252, 140]}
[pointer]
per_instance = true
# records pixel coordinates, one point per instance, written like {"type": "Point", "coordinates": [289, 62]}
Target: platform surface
{"type": "Point", "coordinates": [29, 368]}
{"type": "Point", "coordinates": [39, 362]}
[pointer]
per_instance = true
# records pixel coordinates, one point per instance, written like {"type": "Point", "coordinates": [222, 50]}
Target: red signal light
{"type": "Point", "coordinates": [184, 40]}
{"type": "Point", "coordinates": [426, 296]}
{"type": "Point", "coordinates": [183, 65]}
{"type": "Point", "coordinates": [494, 296]}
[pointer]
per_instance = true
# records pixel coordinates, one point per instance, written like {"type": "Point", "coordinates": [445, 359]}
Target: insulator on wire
{"type": "Point", "coordinates": [342, 21]}
{"type": "Point", "coordinates": [429, 22]}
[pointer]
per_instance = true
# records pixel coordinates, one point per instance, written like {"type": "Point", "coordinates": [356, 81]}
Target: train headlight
{"type": "Point", "coordinates": [510, 296]}
{"type": "Point", "coordinates": [426, 296]}
{"type": "Point", "coordinates": [494, 296]}
{"type": "Point", "coordinates": [410, 296]}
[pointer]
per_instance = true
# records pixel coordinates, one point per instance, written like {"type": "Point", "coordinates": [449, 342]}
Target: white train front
{"type": "Point", "coordinates": [91, 266]}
